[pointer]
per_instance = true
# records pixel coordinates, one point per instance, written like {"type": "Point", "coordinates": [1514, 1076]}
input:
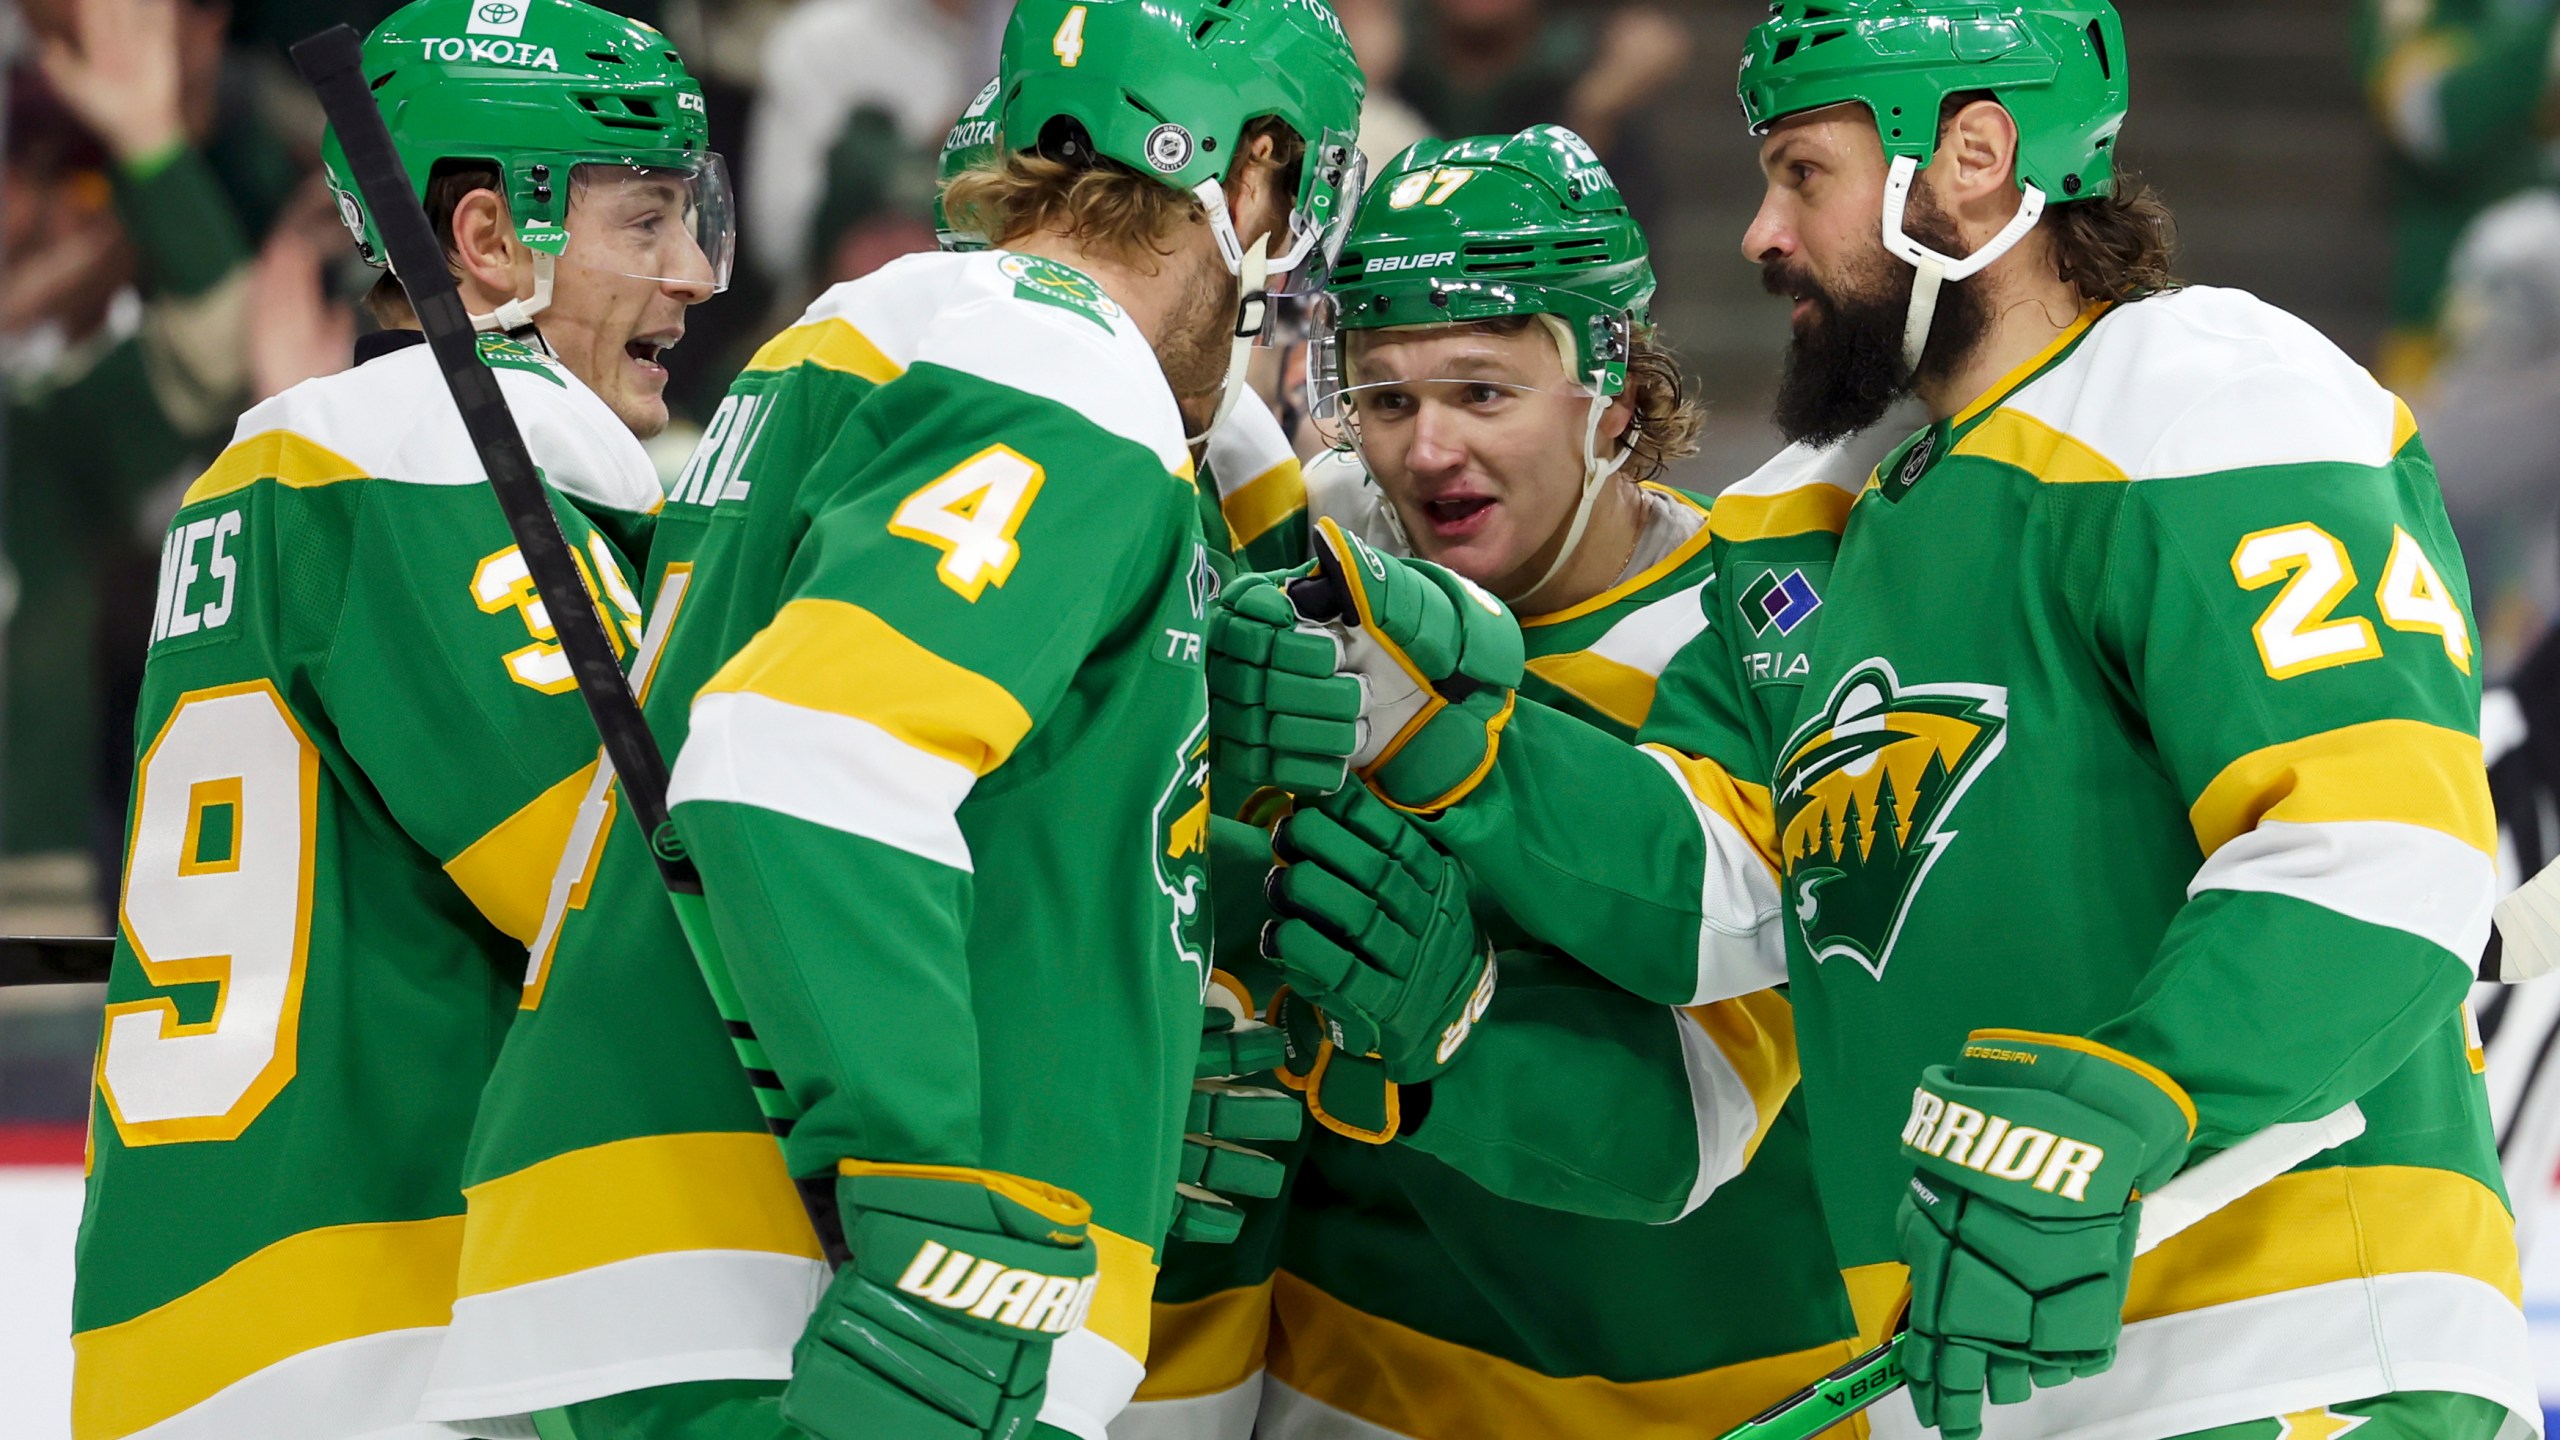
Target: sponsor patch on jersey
{"type": "Point", "coordinates": [499, 352]}
{"type": "Point", "coordinates": [1866, 792]}
{"type": "Point", "coordinates": [1778, 604]}
{"type": "Point", "coordinates": [1051, 283]}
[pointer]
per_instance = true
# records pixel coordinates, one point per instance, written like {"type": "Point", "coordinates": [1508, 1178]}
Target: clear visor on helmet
{"type": "Point", "coordinates": [1335, 175]}
{"type": "Point", "coordinates": [675, 224]}
{"type": "Point", "coordinates": [1344, 406]}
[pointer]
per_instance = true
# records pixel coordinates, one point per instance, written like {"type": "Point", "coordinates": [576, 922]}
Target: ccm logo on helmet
{"type": "Point", "coordinates": [1962, 1135]}
{"type": "Point", "coordinates": [1407, 262]}
{"type": "Point", "coordinates": [1023, 1299]}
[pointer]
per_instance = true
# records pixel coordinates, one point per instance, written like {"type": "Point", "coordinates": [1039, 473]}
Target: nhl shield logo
{"type": "Point", "coordinates": [1865, 795]}
{"type": "Point", "coordinates": [1168, 147]}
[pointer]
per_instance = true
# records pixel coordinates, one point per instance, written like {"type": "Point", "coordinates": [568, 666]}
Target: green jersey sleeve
{"type": "Point", "coordinates": [935, 626]}
{"type": "Point", "coordinates": [2298, 643]}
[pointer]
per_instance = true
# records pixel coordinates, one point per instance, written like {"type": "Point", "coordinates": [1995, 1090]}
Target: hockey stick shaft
{"type": "Point", "coordinates": [55, 959]}
{"type": "Point", "coordinates": [2193, 1195]}
{"type": "Point", "coordinates": [332, 63]}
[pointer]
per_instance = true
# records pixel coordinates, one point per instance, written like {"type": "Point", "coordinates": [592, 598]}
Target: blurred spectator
{"type": "Point", "coordinates": [878, 203]}
{"type": "Point", "coordinates": [907, 59]}
{"type": "Point", "coordinates": [125, 311]}
{"type": "Point", "coordinates": [1484, 67]}
{"type": "Point", "coordinates": [2492, 419]}
{"type": "Point", "coordinates": [1387, 124]}
{"type": "Point", "coordinates": [2468, 95]}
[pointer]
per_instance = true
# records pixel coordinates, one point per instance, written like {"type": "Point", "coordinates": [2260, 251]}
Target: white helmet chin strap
{"type": "Point", "coordinates": [1253, 269]}
{"type": "Point", "coordinates": [1933, 268]}
{"type": "Point", "coordinates": [1595, 471]}
{"type": "Point", "coordinates": [517, 314]}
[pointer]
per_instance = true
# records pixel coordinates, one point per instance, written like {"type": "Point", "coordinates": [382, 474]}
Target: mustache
{"type": "Point", "coordinates": [1788, 281]}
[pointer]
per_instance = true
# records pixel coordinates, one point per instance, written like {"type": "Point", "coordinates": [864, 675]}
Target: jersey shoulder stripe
{"type": "Point", "coordinates": [1805, 488]}
{"type": "Point", "coordinates": [1259, 481]}
{"type": "Point", "coordinates": [2197, 381]}
{"type": "Point", "coordinates": [369, 423]}
{"type": "Point", "coordinates": [968, 313]}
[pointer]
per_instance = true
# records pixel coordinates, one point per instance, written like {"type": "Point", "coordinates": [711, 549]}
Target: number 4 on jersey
{"type": "Point", "coordinates": [969, 513]}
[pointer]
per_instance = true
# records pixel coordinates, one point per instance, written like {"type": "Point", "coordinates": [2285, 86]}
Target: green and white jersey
{"type": "Point", "coordinates": [358, 752]}
{"type": "Point", "coordinates": [930, 599]}
{"type": "Point", "coordinates": [2134, 703]}
{"type": "Point", "coordinates": [1254, 490]}
{"type": "Point", "coordinates": [1445, 1285]}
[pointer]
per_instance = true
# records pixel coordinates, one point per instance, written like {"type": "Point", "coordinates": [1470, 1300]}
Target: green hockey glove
{"type": "Point", "coordinates": [1219, 1163]}
{"type": "Point", "coordinates": [939, 1327]}
{"type": "Point", "coordinates": [1441, 657]}
{"type": "Point", "coordinates": [2033, 1152]}
{"type": "Point", "coordinates": [1278, 712]}
{"type": "Point", "coordinates": [1375, 935]}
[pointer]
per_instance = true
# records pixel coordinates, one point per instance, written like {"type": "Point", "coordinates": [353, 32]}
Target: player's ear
{"type": "Point", "coordinates": [485, 255]}
{"type": "Point", "coordinates": [1254, 195]}
{"type": "Point", "coordinates": [1976, 163]}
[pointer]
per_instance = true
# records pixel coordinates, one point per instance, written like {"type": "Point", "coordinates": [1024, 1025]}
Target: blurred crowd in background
{"type": "Point", "coordinates": [171, 257]}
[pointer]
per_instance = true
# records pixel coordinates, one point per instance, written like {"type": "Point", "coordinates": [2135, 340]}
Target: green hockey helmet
{"type": "Point", "coordinates": [562, 98]}
{"type": "Point", "coordinates": [2057, 66]}
{"type": "Point", "coordinates": [1489, 226]}
{"type": "Point", "coordinates": [1166, 88]}
{"type": "Point", "coordinates": [1483, 228]}
{"type": "Point", "coordinates": [971, 144]}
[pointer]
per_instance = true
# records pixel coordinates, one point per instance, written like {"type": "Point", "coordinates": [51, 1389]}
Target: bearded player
{"type": "Point", "coordinates": [359, 751]}
{"type": "Point", "coordinates": [930, 599]}
{"type": "Point", "coordinates": [2115, 780]}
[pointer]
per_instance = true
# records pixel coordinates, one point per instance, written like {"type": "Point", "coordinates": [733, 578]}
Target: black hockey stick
{"type": "Point", "coordinates": [332, 63]}
{"type": "Point", "coordinates": [55, 959]}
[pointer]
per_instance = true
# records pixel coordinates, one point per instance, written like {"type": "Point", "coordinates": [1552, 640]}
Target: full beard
{"type": "Point", "coordinates": [1844, 370]}
{"type": "Point", "coordinates": [1200, 329]}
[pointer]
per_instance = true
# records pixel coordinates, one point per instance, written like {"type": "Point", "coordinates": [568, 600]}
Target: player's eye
{"type": "Point", "coordinates": [1482, 396]}
{"type": "Point", "coordinates": [1387, 402]}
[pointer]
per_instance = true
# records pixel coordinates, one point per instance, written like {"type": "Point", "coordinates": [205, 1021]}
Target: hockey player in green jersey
{"type": "Point", "coordinates": [928, 605]}
{"type": "Point", "coordinates": [358, 755]}
{"type": "Point", "coordinates": [1509, 424]}
{"type": "Point", "coordinates": [2108, 759]}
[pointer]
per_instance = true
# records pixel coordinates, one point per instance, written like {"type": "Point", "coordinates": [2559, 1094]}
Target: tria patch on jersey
{"type": "Point", "coordinates": [1777, 605]}
{"type": "Point", "coordinates": [1865, 794]}
{"type": "Point", "coordinates": [1051, 283]}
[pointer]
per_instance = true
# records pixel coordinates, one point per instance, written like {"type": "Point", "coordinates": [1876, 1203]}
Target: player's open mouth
{"type": "Point", "coordinates": [649, 352]}
{"type": "Point", "coordinates": [1459, 515]}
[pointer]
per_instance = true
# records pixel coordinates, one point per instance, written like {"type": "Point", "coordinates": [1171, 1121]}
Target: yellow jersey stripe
{"type": "Point", "coordinates": [2404, 426]}
{"type": "Point", "coordinates": [1121, 1299]}
{"type": "Point", "coordinates": [2400, 770]}
{"type": "Point", "coordinates": [2176, 1092]}
{"type": "Point", "coordinates": [507, 872]}
{"type": "Point", "coordinates": [1410, 1383]}
{"type": "Point", "coordinates": [1743, 805]}
{"type": "Point", "coordinates": [713, 1190]}
{"type": "Point", "coordinates": [302, 1292]}
{"type": "Point", "coordinates": [1204, 1346]}
{"type": "Point", "coordinates": [1878, 1294]}
{"type": "Point", "coordinates": [1621, 692]}
{"type": "Point", "coordinates": [278, 455]}
{"type": "Point", "coordinates": [1756, 1034]}
{"type": "Point", "coordinates": [2013, 437]}
{"type": "Point", "coordinates": [2313, 1227]}
{"type": "Point", "coordinates": [829, 345]}
{"type": "Point", "coordinates": [1253, 508]}
{"type": "Point", "coordinates": [2007, 384]}
{"type": "Point", "coordinates": [839, 658]}
{"type": "Point", "coordinates": [1801, 511]}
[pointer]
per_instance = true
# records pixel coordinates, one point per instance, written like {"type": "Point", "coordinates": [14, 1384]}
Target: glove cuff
{"type": "Point", "coordinates": [2052, 1125]}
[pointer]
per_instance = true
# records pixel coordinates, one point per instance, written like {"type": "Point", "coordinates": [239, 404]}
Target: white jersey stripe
{"type": "Point", "coordinates": [831, 770]}
{"type": "Point", "coordinates": [1647, 639]}
{"type": "Point", "coordinates": [1727, 1117]}
{"type": "Point", "coordinates": [2404, 877]}
{"type": "Point", "coordinates": [1741, 946]}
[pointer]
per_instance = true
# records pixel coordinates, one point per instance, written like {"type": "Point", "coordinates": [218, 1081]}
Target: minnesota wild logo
{"type": "Point", "coordinates": [1180, 848]}
{"type": "Point", "coordinates": [1864, 796]}
{"type": "Point", "coordinates": [1051, 283]}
